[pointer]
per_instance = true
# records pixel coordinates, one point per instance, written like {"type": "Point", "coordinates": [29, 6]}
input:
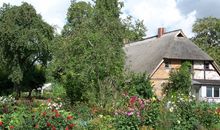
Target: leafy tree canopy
{"type": "Point", "coordinates": [207, 36]}
{"type": "Point", "coordinates": [90, 48]}
{"type": "Point", "coordinates": [24, 39]}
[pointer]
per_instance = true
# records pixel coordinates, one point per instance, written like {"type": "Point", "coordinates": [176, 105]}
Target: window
{"type": "Point", "coordinates": [216, 92]}
{"type": "Point", "coordinates": [209, 92]}
{"type": "Point", "coordinates": [212, 91]}
{"type": "Point", "coordinates": [167, 63]}
{"type": "Point", "coordinates": [206, 65]}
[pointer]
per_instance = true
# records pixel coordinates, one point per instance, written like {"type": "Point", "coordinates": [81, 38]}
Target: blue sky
{"type": "Point", "coordinates": [171, 14]}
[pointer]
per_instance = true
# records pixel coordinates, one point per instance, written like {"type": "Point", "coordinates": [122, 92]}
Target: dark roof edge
{"type": "Point", "coordinates": [187, 59]}
{"type": "Point", "coordinates": [205, 82]}
{"type": "Point", "coordinates": [154, 36]}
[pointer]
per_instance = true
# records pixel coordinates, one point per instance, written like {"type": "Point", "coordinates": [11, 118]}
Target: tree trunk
{"type": "Point", "coordinates": [18, 92]}
{"type": "Point", "coordinates": [29, 94]}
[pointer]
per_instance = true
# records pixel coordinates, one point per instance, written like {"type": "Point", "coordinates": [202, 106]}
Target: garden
{"type": "Point", "coordinates": [91, 89]}
{"type": "Point", "coordinates": [178, 112]}
{"type": "Point", "coordinates": [136, 108]}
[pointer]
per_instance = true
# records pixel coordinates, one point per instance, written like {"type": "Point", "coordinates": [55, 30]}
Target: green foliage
{"type": "Point", "coordinates": [101, 122]}
{"type": "Point", "coordinates": [58, 91]}
{"type": "Point", "coordinates": [34, 78]}
{"type": "Point", "coordinates": [24, 40]}
{"type": "Point", "coordinates": [88, 57]}
{"type": "Point", "coordinates": [180, 111]}
{"type": "Point", "coordinates": [78, 13]}
{"type": "Point", "coordinates": [207, 114]}
{"type": "Point", "coordinates": [207, 31]}
{"type": "Point", "coordinates": [140, 85]}
{"type": "Point", "coordinates": [207, 35]}
{"type": "Point", "coordinates": [179, 81]}
{"type": "Point", "coordinates": [6, 85]}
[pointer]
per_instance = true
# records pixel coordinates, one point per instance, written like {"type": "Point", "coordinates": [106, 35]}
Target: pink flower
{"type": "Point", "coordinates": [131, 109]}
{"type": "Point", "coordinates": [138, 114]}
{"type": "Point", "coordinates": [49, 100]}
{"type": "Point", "coordinates": [130, 113]}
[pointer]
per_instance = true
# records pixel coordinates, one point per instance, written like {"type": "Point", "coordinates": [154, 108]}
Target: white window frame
{"type": "Point", "coordinates": [212, 87]}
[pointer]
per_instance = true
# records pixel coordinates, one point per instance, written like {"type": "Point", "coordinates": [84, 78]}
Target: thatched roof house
{"type": "Point", "coordinates": [159, 54]}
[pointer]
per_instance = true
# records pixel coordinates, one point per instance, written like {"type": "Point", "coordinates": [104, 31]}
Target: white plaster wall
{"type": "Point", "coordinates": [198, 65]}
{"type": "Point", "coordinates": [211, 67]}
{"type": "Point", "coordinates": [212, 75]}
{"type": "Point", "coordinates": [203, 91]}
{"type": "Point", "coordinates": [198, 74]}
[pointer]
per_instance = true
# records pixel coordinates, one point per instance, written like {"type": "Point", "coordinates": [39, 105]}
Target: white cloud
{"type": "Point", "coordinates": [160, 13]}
{"type": "Point", "coordinates": [155, 13]}
{"type": "Point", "coordinates": [52, 11]}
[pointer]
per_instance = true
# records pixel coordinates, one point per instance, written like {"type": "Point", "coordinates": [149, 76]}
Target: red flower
{"type": "Point", "coordinates": [44, 113]}
{"type": "Point", "coordinates": [55, 111]}
{"type": "Point", "coordinates": [1, 123]}
{"type": "Point", "coordinates": [71, 125]}
{"type": "Point", "coordinates": [53, 128]}
{"type": "Point", "coordinates": [37, 126]}
{"type": "Point", "coordinates": [11, 127]}
{"type": "Point", "coordinates": [69, 117]}
{"type": "Point", "coordinates": [132, 100]}
{"type": "Point", "coordinates": [57, 115]}
{"type": "Point", "coordinates": [48, 124]}
{"type": "Point", "coordinates": [67, 128]}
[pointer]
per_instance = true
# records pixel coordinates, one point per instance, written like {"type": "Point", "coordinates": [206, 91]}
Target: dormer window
{"type": "Point", "coordinates": [180, 35]}
{"type": "Point", "coordinates": [206, 65]}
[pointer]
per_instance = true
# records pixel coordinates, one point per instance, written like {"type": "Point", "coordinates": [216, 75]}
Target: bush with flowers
{"type": "Point", "coordinates": [6, 104]}
{"type": "Point", "coordinates": [49, 115]}
{"type": "Point", "coordinates": [182, 108]}
{"type": "Point", "coordinates": [208, 114]}
{"type": "Point", "coordinates": [137, 112]}
{"type": "Point", "coordinates": [183, 112]}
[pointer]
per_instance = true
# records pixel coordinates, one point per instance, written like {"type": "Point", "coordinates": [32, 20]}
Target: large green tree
{"type": "Point", "coordinates": [207, 36]}
{"type": "Point", "coordinates": [89, 58]}
{"type": "Point", "coordinates": [24, 39]}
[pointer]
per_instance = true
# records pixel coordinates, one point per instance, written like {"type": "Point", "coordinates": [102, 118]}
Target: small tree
{"type": "Point", "coordinates": [179, 81]}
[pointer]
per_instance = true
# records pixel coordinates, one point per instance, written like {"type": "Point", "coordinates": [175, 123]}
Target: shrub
{"type": "Point", "coordinates": [180, 111]}
{"type": "Point", "coordinates": [139, 84]}
{"type": "Point", "coordinates": [137, 112]}
{"type": "Point", "coordinates": [183, 112]}
{"type": "Point", "coordinates": [207, 114]}
{"type": "Point", "coordinates": [179, 81]}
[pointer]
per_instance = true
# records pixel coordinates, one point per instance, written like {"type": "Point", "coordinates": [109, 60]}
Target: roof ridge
{"type": "Point", "coordinates": [154, 36]}
{"type": "Point", "coordinates": [174, 31]}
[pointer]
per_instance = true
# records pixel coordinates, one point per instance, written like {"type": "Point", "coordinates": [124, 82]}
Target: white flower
{"type": "Point", "coordinates": [171, 109]}
{"type": "Point", "coordinates": [178, 121]}
{"type": "Point", "coordinates": [100, 116]}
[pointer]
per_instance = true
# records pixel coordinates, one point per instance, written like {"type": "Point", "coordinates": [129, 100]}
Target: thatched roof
{"type": "Point", "coordinates": [146, 55]}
